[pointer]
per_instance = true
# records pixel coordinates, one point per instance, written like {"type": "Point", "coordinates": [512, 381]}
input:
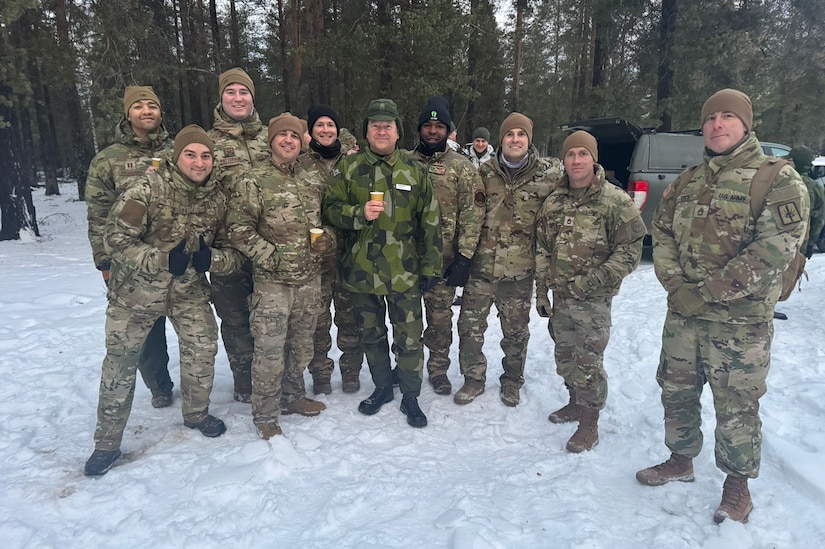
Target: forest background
{"type": "Point", "coordinates": [65, 63]}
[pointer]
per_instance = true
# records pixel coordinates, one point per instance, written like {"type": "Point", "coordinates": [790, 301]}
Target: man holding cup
{"type": "Point", "coordinates": [391, 256]}
{"type": "Point", "coordinates": [140, 139]}
{"type": "Point", "coordinates": [275, 220]}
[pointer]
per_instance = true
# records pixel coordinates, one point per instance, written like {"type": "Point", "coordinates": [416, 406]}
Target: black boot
{"type": "Point", "coordinates": [373, 403]}
{"type": "Point", "coordinates": [415, 417]}
{"type": "Point", "coordinates": [100, 462]}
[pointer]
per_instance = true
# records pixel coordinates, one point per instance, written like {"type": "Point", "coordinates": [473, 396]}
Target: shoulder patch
{"type": "Point", "coordinates": [667, 191]}
{"type": "Point", "coordinates": [132, 212]}
{"type": "Point", "coordinates": [788, 213]}
{"type": "Point", "coordinates": [480, 198]}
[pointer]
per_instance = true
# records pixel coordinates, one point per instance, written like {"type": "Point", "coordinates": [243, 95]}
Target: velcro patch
{"type": "Point", "coordinates": [788, 213]}
{"type": "Point", "coordinates": [438, 169]}
{"type": "Point", "coordinates": [133, 212]}
{"type": "Point", "coordinates": [480, 198]}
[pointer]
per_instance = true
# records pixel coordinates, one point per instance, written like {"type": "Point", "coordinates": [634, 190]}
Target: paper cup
{"type": "Point", "coordinates": [377, 195]}
{"type": "Point", "coordinates": [314, 234]}
{"type": "Point", "coordinates": [156, 163]}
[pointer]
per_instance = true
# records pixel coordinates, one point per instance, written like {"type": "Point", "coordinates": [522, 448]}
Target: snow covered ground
{"type": "Point", "coordinates": [479, 476]}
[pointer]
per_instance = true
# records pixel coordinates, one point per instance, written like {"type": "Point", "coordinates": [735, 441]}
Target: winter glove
{"type": "Point", "coordinates": [809, 251]}
{"type": "Point", "coordinates": [543, 306]}
{"type": "Point", "coordinates": [459, 271]}
{"type": "Point", "coordinates": [202, 259]}
{"type": "Point", "coordinates": [322, 244]}
{"type": "Point", "coordinates": [427, 283]}
{"type": "Point", "coordinates": [178, 261]}
{"type": "Point", "coordinates": [687, 300]}
{"type": "Point", "coordinates": [579, 287]}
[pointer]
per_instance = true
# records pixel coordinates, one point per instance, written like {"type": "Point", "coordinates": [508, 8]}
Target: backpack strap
{"type": "Point", "coordinates": [681, 182]}
{"type": "Point", "coordinates": [762, 181]}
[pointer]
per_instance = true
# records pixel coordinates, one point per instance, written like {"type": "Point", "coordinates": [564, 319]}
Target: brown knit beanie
{"type": "Point", "coordinates": [284, 121]}
{"type": "Point", "coordinates": [235, 76]}
{"type": "Point", "coordinates": [581, 139]}
{"type": "Point", "coordinates": [516, 120]}
{"type": "Point", "coordinates": [138, 93]}
{"type": "Point", "coordinates": [729, 100]}
{"type": "Point", "coordinates": [192, 134]}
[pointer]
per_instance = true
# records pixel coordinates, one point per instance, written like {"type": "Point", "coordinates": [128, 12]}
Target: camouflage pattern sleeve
{"type": "Point", "coordinates": [100, 197]}
{"type": "Point", "coordinates": [472, 200]}
{"type": "Point", "coordinates": [665, 249]}
{"type": "Point", "coordinates": [242, 221]}
{"type": "Point", "coordinates": [626, 232]}
{"type": "Point", "coordinates": [817, 197]}
{"type": "Point", "coordinates": [225, 258]}
{"type": "Point", "coordinates": [337, 207]}
{"type": "Point", "coordinates": [431, 243]}
{"type": "Point", "coordinates": [544, 253]}
{"type": "Point", "coordinates": [780, 229]}
{"type": "Point", "coordinates": [126, 225]}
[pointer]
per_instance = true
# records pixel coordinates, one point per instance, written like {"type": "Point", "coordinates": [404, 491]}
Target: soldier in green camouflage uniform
{"type": "Point", "coordinates": [140, 136]}
{"type": "Point", "coordinates": [722, 270]}
{"type": "Point", "coordinates": [240, 143]}
{"type": "Point", "coordinates": [392, 253]}
{"type": "Point", "coordinates": [273, 208]}
{"type": "Point", "coordinates": [164, 232]}
{"type": "Point", "coordinates": [802, 158]}
{"type": "Point", "coordinates": [325, 151]}
{"type": "Point", "coordinates": [588, 239]}
{"type": "Point", "coordinates": [516, 182]}
{"type": "Point", "coordinates": [461, 201]}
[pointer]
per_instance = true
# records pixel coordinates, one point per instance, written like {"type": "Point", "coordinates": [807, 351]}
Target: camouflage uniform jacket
{"type": "Point", "coordinates": [508, 235]}
{"type": "Point", "coordinates": [816, 194]}
{"type": "Point", "coordinates": [461, 201]}
{"type": "Point", "coordinates": [272, 209]}
{"type": "Point", "coordinates": [128, 157]}
{"type": "Point", "coordinates": [151, 217]}
{"type": "Point", "coordinates": [707, 235]}
{"type": "Point", "coordinates": [597, 235]}
{"type": "Point", "coordinates": [238, 145]}
{"type": "Point", "coordinates": [389, 254]}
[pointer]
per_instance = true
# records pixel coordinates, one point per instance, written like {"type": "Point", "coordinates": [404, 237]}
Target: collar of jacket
{"type": "Point", "coordinates": [153, 142]}
{"type": "Point", "coordinates": [503, 170]}
{"type": "Point", "coordinates": [434, 158]}
{"type": "Point", "coordinates": [390, 159]}
{"type": "Point", "coordinates": [289, 168]}
{"type": "Point", "coordinates": [593, 189]}
{"type": "Point", "coordinates": [248, 129]}
{"type": "Point", "coordinates": [748, 151]}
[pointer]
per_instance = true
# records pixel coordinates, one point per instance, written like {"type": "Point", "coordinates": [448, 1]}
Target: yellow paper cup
{"type": "Point", "coordinates": [156, 163]}
{"type": "Point", "coordinates": [377, 195]}
{"type": "Point", "coordinates": [314, 234]}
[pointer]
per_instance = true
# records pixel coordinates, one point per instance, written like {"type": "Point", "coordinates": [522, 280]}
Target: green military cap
{"type": "Point", "coordinates": [383, 109]}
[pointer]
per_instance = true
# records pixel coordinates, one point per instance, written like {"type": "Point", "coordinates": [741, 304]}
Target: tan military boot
{"type": "Point", "coordinates": [569, 412]}
{"type": "Point", "coordinates": [468, 392]}
{"type": "Point", "coordinates": [736, 501]}
{"type": "Point", "coordinates": [587, 435]}
{"type": "Point", "coordinates": [321, 385]}
{"type": "Point", "coordinates": [269, 430]}
{"type": "Point", "coordinates": [677, 467]}
{"type": "Point", "coordinates": [350, 382]}
{"type": "Point", "coordinates": [305, 407]}
{"type": "Point", "coordinates": [510, 395]}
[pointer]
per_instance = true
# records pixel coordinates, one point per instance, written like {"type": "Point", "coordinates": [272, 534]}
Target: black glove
{"type": "Point", "coordinates": [427, 283]}
{"type": "Point", "coordinates": [178, 261]}
{"type": "Point", "coordinates": [202, 259]}
{"type": "Point", "coordinates": [459, 271]}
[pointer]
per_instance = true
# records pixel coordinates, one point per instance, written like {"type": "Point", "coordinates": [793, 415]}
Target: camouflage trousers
{"type": "Point", "coordinates": [581, 330]}
{"type": "Point", "coordinates": [513, 299]}
{"type": "Point", "coordinates": [734, 360]}
{"type": "Point", "coordinates": [230, 294]}
{"type": "Point", "coordinates": [283, 320]}
{"type": "Point", "coordinates": [126, 331]}
{"type": "Point", "coordinates": [407, 325]}
{"type": "Point", "coordinates": [153, 363]}
{"type": "Point", "coordinates": [347, 325]}
{"type": "Point", "coordinates": [438, 337]}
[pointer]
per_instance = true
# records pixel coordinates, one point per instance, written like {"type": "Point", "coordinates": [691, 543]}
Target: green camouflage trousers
{"type": "Point", "coordinates": [734, 360]}
{"type": "Point", "coordinates": [283, 321]}
{"type": "Point", "coordinates": [347, 326]}
{"type": "Point", "coordinates": [438, 337]}
{"type": "Point", "coordinates": [125, 333]}
{"type": "Point", "coordinates": [513, 299]}
{"type": "Point", "coordinates": [581, 330]}
{"type": "Point", "coordinates": [230, 294]}
{"type": "Point", "coordinates": [407, 325]}
{"type": "Point", "coordinates": [153, 363]}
